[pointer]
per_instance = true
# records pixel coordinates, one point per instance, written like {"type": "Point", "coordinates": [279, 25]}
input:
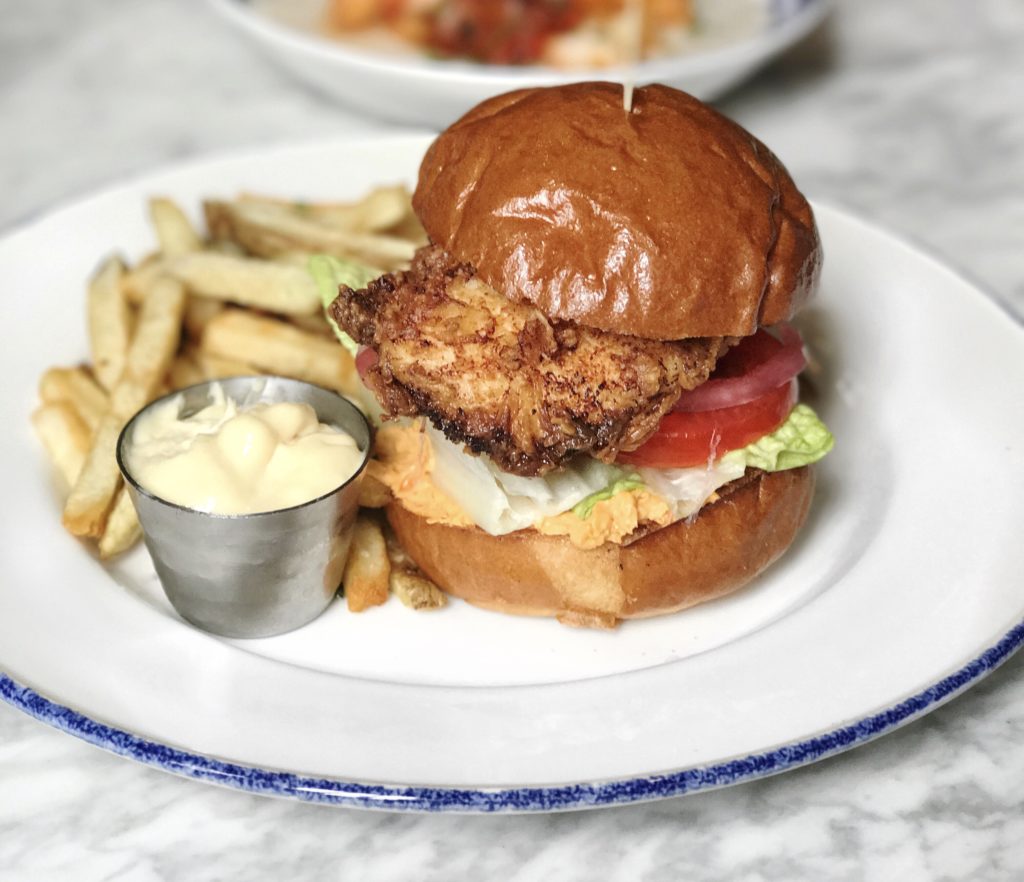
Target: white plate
{"type": "Point", "coordinates": [903, 588]}
{"type": "Point", "coordinates": [419, 90]}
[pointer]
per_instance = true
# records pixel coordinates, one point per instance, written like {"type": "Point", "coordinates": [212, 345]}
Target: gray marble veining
{"type": "Point", "coordinates": [911, 113]}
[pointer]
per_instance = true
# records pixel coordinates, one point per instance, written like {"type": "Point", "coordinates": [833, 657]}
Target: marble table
{"type": "Point", "coordinates": [911, 114]}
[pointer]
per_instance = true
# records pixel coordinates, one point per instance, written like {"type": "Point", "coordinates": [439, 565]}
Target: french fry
{"type": "Point", "coordinates": [367, 569]}
{"type": "Point", "coordinates": [383, 208]}
{"type": "Point", "coordinates": [416, 591]}
{"type": "Point", "coordinates": [268, 230]}
{"type": "Point", "coordinates": [85, 510]}
{"type": "Point", "coordinates": [77, 388]}
{"type": "Point", "coordinates": [220, 222]}
{"type": "Point", "coordinates": [152, 348]}
{"type": "Point", "coordinates": [411, 230]}
{"type": "Point", "coordinates": [198, 312]}
{"type": "Point", "coordinates": [140, 278]}
{"type": "Point", "coordinates": [373, 493]}
{"type": "Point", "coordinates": [109, 322]}
{"type": "Point", "coordinates": [596, 620]}
{"type": "Point", "coordinates": [123, 529]}
{"type": "Point", "coordinates": [185, 371]}
{"type": "Point", "coordinates": [173, 230]}
{"type": "Point", "coordinates": [225, 246]}
{"type": "Point", "coordinates": [276, 287]}
{"type": "Point", "coordinates": [380, 210]}
{"type": "Point", "coordinates": [314, 324]}
{"type": "Point", "coordinates": [293, 258]}
{"type": "Point", "coordinates": [218, 367]}
{"type": "Point", "coordinates": [149, 357]}
{"type": "Point", "coordinates": [279, 348]}
{"type": "Point", "coordinates": [65, 437]}
{"type": "Point", "coordinates": [407, 582]}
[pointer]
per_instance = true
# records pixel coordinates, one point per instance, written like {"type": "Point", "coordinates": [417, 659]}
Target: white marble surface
{"type": "Point", "coordinates": [912, 113]}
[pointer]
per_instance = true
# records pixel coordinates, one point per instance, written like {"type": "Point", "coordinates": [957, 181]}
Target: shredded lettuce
{"type": "Point", "coordinates": [501, 503]}
{"type": "Point", "coordinates": [686, 490]}
{"type": "Point", "coordinates": [329, 272]}
{"type": "Point", "coordinates": [799, 441]}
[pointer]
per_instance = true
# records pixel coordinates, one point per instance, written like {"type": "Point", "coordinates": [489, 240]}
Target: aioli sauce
{"type": "Point", "coordinates": [223, 460]}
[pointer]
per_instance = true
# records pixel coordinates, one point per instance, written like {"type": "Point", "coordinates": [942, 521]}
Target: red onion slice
{"type": "Point", "coordinates": [770, 370]}
{"type": "Point", "coordinates": [366, 358]}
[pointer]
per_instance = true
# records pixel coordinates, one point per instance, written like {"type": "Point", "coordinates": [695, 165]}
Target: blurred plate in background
{"type": "Point", "coordinates": [395, 82]}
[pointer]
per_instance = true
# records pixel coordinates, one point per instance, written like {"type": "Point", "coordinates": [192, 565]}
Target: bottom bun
{"type": "Point", "coordinates": [526, 573]}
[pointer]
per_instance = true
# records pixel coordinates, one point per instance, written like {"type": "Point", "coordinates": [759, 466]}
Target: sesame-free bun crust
{"type": "Point", "coordinates": [527, 573]}
{"type": "Point", "coordinates": [666, 222]}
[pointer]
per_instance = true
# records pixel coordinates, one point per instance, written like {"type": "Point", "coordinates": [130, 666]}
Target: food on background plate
{"type": "Point", "coordinates": [562, 33]}
{"type": "Point", "coordinates": [592, 358]}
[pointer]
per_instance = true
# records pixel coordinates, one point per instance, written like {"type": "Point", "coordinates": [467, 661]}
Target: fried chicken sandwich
{"type": "Point", "coordinates": [587, 377]}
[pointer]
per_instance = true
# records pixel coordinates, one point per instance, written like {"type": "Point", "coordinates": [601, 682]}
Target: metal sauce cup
{"type": "Point", "coordinates": [252, 575]}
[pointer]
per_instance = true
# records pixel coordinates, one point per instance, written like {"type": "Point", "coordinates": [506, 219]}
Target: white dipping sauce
{"type": "Point", "coordinates": [224, 460]}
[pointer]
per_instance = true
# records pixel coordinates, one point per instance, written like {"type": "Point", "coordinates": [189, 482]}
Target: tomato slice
{"type": "Point", "coordinates": [695, 439]}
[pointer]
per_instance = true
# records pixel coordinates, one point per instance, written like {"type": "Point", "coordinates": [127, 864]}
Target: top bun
{"type": "Point", "coordinates": [666, 222]}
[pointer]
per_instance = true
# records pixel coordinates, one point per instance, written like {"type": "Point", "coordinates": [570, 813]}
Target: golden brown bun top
{"type": "Point", "coordinates": [667, 222]}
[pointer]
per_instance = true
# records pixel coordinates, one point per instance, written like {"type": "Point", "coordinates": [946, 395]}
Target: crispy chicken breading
{"type": "Point", "coordinates": [500, 378]}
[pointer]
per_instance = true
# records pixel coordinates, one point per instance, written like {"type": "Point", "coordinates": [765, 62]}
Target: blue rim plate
{"type": "Point", "coordinates": [533, 799]}
{"type": "Point", "coordinates": [902, 590]}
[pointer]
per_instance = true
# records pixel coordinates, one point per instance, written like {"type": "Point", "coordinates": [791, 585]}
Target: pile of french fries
{"type": "Point", "coordinates": [237, 301]}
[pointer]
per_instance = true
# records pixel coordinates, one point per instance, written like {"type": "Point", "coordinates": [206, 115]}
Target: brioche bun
{"type": "Point", "coordinates": [527, 573]}
{"type": "Point", "coordinates": [666, 222]}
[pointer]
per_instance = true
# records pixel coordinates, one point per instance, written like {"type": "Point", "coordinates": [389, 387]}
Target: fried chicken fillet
{"type": "Point", "coordinates": [500, 378]}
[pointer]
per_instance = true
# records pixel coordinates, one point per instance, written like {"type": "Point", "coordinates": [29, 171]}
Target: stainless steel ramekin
{"type": "Point", "coordinates": [252, 575]}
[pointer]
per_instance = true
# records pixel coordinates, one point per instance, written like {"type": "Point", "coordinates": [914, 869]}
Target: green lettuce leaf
{"type": "Point", "coordinates": [330, 272]}
{"type": "Point", "coordinates": [585, 507]}
{"type": "Point", "coordinates": [799, 441]}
